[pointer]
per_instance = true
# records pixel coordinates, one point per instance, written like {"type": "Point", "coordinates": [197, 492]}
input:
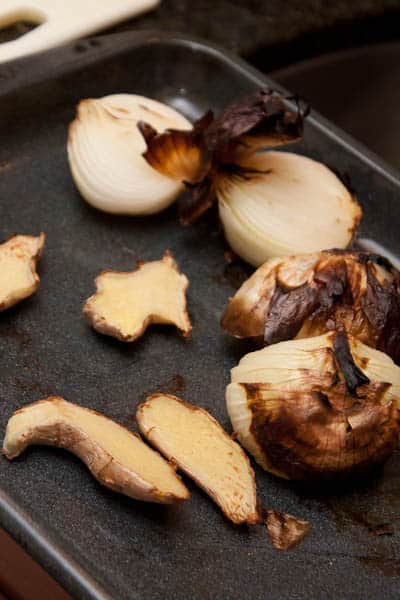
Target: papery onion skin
{"type": "Point", "coordinates": [285, 531]}
{"type": "Point", "coordinates": [306, 295]}
{"type": "Point", "coordinates": [104, 151]}
{"type": "Point", "coordinates": [303, 422]}
{"type": "Point", "coordinates": [178, 154]}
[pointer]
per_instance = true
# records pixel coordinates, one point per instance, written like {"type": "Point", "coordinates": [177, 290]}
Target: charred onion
{"type": "Point", "coordinates": [307, 295]}
{"type": "Point", "coordinates": [316, 408]}
{"type": "Point", "coordinates": [270, 203]}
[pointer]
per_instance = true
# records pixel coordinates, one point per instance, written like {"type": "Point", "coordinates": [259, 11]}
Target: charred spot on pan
{"type": "Point", "coordinates": [381, 529]}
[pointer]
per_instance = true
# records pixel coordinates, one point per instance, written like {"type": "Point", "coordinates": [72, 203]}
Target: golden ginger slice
{"type": "Point", "coordinates": [117, 458]}
{"type": "Point", "coordinates": [127, 302]}
{"type": "Point", "coordinates": [18, 259]}
{"type": "Point", "coordinates": [194, 440]}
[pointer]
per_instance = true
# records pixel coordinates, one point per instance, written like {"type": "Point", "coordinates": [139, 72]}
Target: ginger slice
{"type": "Point", "coordinates": [117, 458]}
{"type": "Point", "coordinates": [18, 259]}
{"type": "Point", "coordinates": [127, 302]}
{"type": "Point", "coordinates": [194, 440]}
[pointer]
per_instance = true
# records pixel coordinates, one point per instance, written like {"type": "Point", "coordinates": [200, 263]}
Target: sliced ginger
{"type": "Point", "coordinates": [127, 302]}
{"type": "Point", "coordinates": [18, 259]}
{"type": "Point", "coordinates": [194, 440]}
{"type": "Point", "coordinates": [116, 457]}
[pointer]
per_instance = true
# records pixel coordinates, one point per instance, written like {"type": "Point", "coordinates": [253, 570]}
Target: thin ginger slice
{"type": "Point", "coordinates": [127, 302]}
{"type": "Point", "coordinates": [18, 259]}
{"type": "Point", "coordinates": [117, 458]}
{"type": "Point", "coordinates": [194, 440]}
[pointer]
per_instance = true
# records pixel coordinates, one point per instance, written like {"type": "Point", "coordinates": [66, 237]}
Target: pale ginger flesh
{"type": "Point", "coordinates": [116, 457]}
{"type": "Point", "coordinates": [197, 444]}
{"type": "Point", "coordinates": [18, 259]}
{"type": "Point", "coordinates": [127, 302]}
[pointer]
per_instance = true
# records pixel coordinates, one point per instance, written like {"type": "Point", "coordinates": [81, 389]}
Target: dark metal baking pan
{"type": "Point", "coordinates": [95, 542]}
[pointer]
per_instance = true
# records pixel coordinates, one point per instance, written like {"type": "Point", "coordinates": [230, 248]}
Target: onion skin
{"type": "Point", "coordinates": [307, 295]}
{"type": "Point", "coordinates": [332, 413]}
{"type": "Point", "coordinates": [285, 531]}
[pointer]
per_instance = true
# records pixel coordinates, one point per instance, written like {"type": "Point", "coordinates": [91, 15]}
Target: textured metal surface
{"type": "Point", "coordinates": [136, 550]}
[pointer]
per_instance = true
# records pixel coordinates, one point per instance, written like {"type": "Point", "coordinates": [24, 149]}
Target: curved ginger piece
{"type": "Point", "coordinates": [194, 440]}
{"type": "Point", "coordinates": [117, 458]}
{"type": "Point", "coordinates": [18, 259]}
{"type": "Point", "coordinates": [127, 302]}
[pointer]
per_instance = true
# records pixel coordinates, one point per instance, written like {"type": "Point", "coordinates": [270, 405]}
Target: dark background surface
{"type": "Point", "coordinates": [251, 26]}
{"type": "Point", "coordinates": [342, 56]}
{"type": "Point", "coordinates": [132, 549]}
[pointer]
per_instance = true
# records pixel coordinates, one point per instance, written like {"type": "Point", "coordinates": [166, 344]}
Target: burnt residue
{"type": "Point", "coordinates": [32, 386]}
{"type": "Point", "coordinates": [346, 511]}
{"type": "Point", "coordinates": [382, 529]}
{"type": "Point", "coordinates": [32, 380]}
{"type": "Point", "coordinates": [16, 333]}
{"type": "Point", "coordinates": [353, 376]}
{"type": "Point", "coordinates": [367, 523]}
{"type": "Point", "coordinates": [175, 385]}
{"type": "Point", "coordinates": [284, 530]}
{"type": "Point", "coordinates": [387, 564]}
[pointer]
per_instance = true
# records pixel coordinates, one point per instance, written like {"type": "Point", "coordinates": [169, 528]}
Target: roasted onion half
{"type": "Point", "coordinates": [105, 154]}
{"type": "Point", "coordinates": [307, 295]}
{"type": "Point", "coordinates": [270, 203]}
{"type": "Point", "coordinates": [316, 408]}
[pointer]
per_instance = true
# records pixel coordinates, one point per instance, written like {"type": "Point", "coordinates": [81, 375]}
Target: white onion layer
{"type": "Point", "coordinates": [105, 154]}
{"type": "Point", "coordinates": [297, 206]}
